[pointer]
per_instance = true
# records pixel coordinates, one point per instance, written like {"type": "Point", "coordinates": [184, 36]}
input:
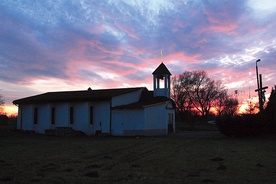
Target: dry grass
{"type": "Point", "coordinates": [172, 159]}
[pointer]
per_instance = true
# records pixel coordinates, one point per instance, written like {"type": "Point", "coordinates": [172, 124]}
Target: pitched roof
{"type": "Point", "coordinates": [146, 98]}
{"type": "Point", "coordinates": [73, 96]}
{"type": "Point", "coordinates": [161, 69]}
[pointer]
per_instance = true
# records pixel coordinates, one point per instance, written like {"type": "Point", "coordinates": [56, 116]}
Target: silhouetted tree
{"type": "Point", "coordinates": [181, 94]}
{"type": "Point", "coordinates": [225, 105]}
{"type": "Point", "coordinates": [195, 90]}
{"type": "Point", "coordinates": [230, 107]}
{"type": "Point", "coordinates": [270, 110]}
{"type": "Point", "coordinates": [219, 104]}
{"type": "Point", "coordinates": [205, 92]}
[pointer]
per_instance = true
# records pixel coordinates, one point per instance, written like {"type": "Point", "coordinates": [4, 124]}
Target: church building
{"type": "Point", "coordinates": [120, 112]}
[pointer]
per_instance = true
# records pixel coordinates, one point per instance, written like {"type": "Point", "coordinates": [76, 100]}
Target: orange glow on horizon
{"type": "Point", "coordinates": [10, 110]}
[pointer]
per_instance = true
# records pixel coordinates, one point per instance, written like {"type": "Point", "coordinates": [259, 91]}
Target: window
{"type": "Point", "coordinates": [71, 115]}
{"type": "Point", "coordinates": [35, 115]}
{"type": "Point", "coordinates": [91, 115]}
{"type": "Point", "coordinates": [53, 115]}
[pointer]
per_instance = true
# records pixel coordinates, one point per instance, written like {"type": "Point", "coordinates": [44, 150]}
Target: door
{"type": "Point", "coordinates": [118, 123]}
{"type": "Point", "coordinates": [170, 123]}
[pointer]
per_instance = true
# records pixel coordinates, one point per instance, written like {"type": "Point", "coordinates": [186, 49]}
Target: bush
{"type": "Point", "coordinates": [269, 114]}
{"type": "Point", "coordinates": [3, 119]}
{"type": "Point", "coordinates": [242, 126]}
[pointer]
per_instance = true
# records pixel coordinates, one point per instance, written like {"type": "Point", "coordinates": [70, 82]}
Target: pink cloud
{"type": "Point", "coordinates": [129, 30]}
{"type": "Point", "coordinates": [183, 57]}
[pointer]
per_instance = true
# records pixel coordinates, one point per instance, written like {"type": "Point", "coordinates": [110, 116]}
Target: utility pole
{"type": "Point", "coordinates": [260, 89]}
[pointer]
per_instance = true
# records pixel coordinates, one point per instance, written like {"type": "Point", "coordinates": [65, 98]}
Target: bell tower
{"type": "Point", "coordinates": [161, 81]}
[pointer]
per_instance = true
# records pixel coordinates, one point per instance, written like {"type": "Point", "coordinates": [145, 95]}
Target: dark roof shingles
{"type": "Point", "coordinates": [67, 96]}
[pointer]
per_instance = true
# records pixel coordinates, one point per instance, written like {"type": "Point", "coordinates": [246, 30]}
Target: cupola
{"type": "Point", "coordinates": [161, 81]}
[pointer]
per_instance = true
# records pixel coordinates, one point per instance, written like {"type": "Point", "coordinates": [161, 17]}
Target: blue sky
{"type": "Point", "coordinates": [55, 45]}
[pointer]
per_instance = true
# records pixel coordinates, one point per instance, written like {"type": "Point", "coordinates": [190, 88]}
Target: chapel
{"type": "Point", "coordinates": [134, 111]}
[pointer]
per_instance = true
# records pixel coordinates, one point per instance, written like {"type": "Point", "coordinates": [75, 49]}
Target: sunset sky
{"type": "Point", "coordinates": [63, 45]}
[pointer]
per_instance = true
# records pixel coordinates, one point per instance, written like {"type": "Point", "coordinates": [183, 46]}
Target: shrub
{"type": "Point", "coordinates": [242, 126]}
{"type": "Point", "coordinates": [3, 119]}
{"type": "Point", "coordinates": [269, 113]}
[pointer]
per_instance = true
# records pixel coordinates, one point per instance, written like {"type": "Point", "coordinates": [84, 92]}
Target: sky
{"type": "Point", "coordinates": [64, 45]}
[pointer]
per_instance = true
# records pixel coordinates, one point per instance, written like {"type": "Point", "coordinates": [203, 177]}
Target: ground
{"type": "Point", "coordinates": [187, 157]}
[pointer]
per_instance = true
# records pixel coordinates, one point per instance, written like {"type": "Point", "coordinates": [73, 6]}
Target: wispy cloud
{"type": "Point", "coordinates": [64, 45]}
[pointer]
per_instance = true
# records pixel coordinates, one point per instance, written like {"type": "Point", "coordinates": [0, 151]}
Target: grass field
{"type": "Point", "coordinates": [171, 159]}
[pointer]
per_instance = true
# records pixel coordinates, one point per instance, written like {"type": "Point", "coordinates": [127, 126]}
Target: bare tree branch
{"type": "Point", "coordinates": [195, 90]}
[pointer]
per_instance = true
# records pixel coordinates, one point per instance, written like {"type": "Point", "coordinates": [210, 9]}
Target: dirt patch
{"type": "Point", "coordinates": [35, 180]}
{"type": "Point", "coordinates": [193, 174]}
{"type": "Point", "coordinates": [135, 166]}
{"type": "Point", "coordinates": [208, 181]}
{"type": "Point", "coordinates": [93, 166]}
{"type": "Point", "coordinates": [49, 167]}
{"type": "Point", "coordinates": [217, 159]}
{"type": "Point", "coordinates": [92, 174]}
{"type": "Point", "coordinates": [68, 170]}
{"type": "Point", "coordinates": [260, 165]}
{"type": "Point", "coordinates": [222, 167]}
{"type": "Point", "coordinates": [6, 179]}
{"type": "Point", "coordinates": [107, 157]}
{"type": "Point", "coordinates": [199, 134]}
